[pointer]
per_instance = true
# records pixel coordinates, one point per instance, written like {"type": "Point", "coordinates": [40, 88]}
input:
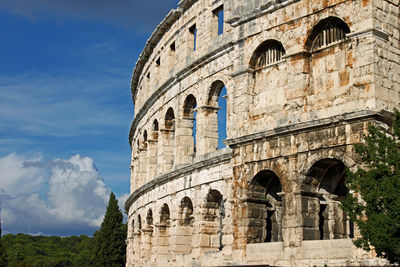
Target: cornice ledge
{"type": "Point", "coordinates": [289, 129]}
{"type": "Point", "coordinates": [156, 36]}
{"type": "Point", "coordinates": [204, 161]}
{"type": "Point", "coordinates": [372, 31]}
{"type": "Point", "coordinates": [264, 9]}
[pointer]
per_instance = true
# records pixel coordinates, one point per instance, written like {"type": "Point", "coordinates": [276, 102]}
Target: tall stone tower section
{"type": "Point", "coordinates": [247, 112]}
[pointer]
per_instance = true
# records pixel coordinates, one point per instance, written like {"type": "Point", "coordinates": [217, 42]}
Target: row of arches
{"type": "Point", "coordinates": [182, 134]}
{"type": "Point", "coordinates": [203, 226]}
{"type": "Point", "coordinates": [328, 31]}
{"type": "Point", "coordinates": [323, 218]}
{"type": "Point", "coordinates": [156, 238]}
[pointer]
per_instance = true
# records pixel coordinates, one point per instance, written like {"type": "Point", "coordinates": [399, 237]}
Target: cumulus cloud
{"type": "Point", "coordinates": [61, 196]}
{"type": "Point", "coordinates": [129, 13]}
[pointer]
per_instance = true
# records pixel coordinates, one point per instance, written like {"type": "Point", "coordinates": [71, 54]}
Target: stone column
{"type": "Point", "coordinates": [136, 172]}
{"type": "Point", "coordinates": [130, 251]}
{"type": "Point", "coordinates": [184, 143]}
{"type": "Point", "coordinates": [132, 177]}
{"type": "Point", "coordinates": [207, 130]}
{"type": "Point", "coordinates": [181, 239]}
{"type": "Point", "coordinates": [146, 243]}
{"type": "Point", "coordinates": [143, 165]}
{"type": "Point", "coordinates": [165, 150]}
{"type": "Point", "coordinates": [308, 207]}
{"type": "Point", "coordinates": [136, 247]}
{"type": "Point", "coordinates": [161, 244]}
{"type": "Point", "coordinates": [152, 159]}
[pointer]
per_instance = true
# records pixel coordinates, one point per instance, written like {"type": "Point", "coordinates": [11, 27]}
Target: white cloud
{"type": "Point", "coordinates": [74, 201]}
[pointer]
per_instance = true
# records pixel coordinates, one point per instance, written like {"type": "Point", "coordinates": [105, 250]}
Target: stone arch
{"type": "Point", "coordinates": [214, 92]}
{"type": "Point", "coordinates": [326, 180]}
{"type": "Point", "coordinates": [170, 119]}
{"type": "Point", "coordinates": [186, 212]}
{"type": "Point", "coordinates": [326, 31]}
{"type": "Point", "coordinates": [265, 208]}
{"type": "Point", "coordinates": [147, 238]}
{"type": "Point", "coordinates": [186, 131]}
{"type": "Point", "coordinates": [189, 106]}
{"type": "Point", "coordinates": [267, 62]}
{"type": "Point", "coordinates": [149, 218]}
{"type": "Point", "coordinates": [328, 63]}
{"type": "Point", "coordinates": [337, 154]}
{"type": "Point", "coordinates": [184, 228]}
{"type": "Point", "coordinates": [166, 144]}
{"type": "Point", "coordinates": [272, 166]}
{"type": "Point", "coordinates": [213, 215]}
{"type": "Point", "coordinates": [268, 52]}
{"type": "Point", "coordinates": [163, 233]}
{"type": "Point", "coordinates": [213, 118]}
{"type": "Point", "coordinates": [139, 222]}
{"type": "Point", "coordinates": [155, 128]}
{"type": "Point", "coordinates": [165, 215]}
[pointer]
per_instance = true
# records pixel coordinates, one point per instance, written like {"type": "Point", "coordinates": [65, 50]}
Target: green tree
{"type": "Point", "coordinates": [3, 253]}
{"type": "Point", "coordinates": [377, 183]}
{"type": "Point", "coordinates": [109, 248]}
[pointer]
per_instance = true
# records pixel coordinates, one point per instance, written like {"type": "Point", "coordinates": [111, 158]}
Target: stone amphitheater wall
{"type": "Point", "coordinates": [303, 79]}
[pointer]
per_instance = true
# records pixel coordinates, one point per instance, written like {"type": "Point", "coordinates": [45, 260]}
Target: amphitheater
{"type": "Point", "coordinates": [289, 86]}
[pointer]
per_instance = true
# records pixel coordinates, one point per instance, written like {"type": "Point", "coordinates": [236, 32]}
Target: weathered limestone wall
{"type": "Point", "coordinates": [303, 79]}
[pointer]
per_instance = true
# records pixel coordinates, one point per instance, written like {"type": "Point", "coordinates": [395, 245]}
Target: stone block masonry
{"type": "Point", "coordinates": [303, 79]}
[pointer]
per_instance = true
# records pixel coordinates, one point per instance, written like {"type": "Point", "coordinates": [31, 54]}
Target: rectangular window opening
{"type": "Point", "coordinates": [193, 31]}
{"type": "Point", "coordinates": [158, 62]}
{"type": "Point", "coordinates": [148, 75]}
{"type": "Point", "coordinates": [219, 14]}
{"type": "Point", "coordinates": [172, 47]}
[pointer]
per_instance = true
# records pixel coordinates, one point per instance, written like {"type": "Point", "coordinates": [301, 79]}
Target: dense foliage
{"type": "Point", "coordinates": [109, 248]}
{"type": "Point", "coordinates": [377, 182]}
{"type": "Point", "coordinates": [46, 251]}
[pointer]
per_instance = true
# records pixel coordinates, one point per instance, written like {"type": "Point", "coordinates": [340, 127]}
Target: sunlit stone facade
{"type": "Point", "coordinates": [303, 79]}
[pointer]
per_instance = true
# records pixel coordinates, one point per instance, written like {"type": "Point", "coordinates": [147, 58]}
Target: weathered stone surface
{"type": "Point", "coordinates": [303, 80]}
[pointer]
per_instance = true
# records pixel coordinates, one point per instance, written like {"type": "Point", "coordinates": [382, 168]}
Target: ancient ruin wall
{"type": "Point", "coordinates": [303, 79]}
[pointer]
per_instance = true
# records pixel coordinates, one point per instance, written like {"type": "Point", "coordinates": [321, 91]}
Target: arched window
{"type": "Point", "coordinates": [329, 176]}
{"type": "Point", "coordinates": [269, 52]}
{"type": "Point", "coordinates": [184, 230]}
{"type": "Point", "coordinates": [265, 188]}
{"type": "Point", "coordinates": [139, 219]}
{"type": "Point", "coordinates": [170, 119]}
{"type": "Point", "coordinates": [149, 218]}
{"type": "Point", "coordinates": [186, 212]}
{"type": "Point", "coordinates": [214, 215]}
{"type": "Point", "coordinates": [164, 215]}
{"type": "Point", "coordinates": [217, 99]}
{"type": "Point", "coordinates": [155, 129]}
{"type": "Point", "coordinates": [327, 31]}
{"type": "Point", "coordinates": [189, 114]}
{"type": "Point", "coordinates": [166, 159]}
{"type": "Point", "coordinates": [132, 227]}
{"type": "Point", "coordinates": [162, 246]}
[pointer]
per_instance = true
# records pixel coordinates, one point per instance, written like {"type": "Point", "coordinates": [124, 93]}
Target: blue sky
{"type": "Point", "coordinates": [66, 109]}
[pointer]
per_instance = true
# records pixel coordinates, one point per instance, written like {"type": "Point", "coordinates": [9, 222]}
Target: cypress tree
{"type": "Point", "coordinates": [109, 248]}
{"type": "Point", "coordinates": [377, 182]}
